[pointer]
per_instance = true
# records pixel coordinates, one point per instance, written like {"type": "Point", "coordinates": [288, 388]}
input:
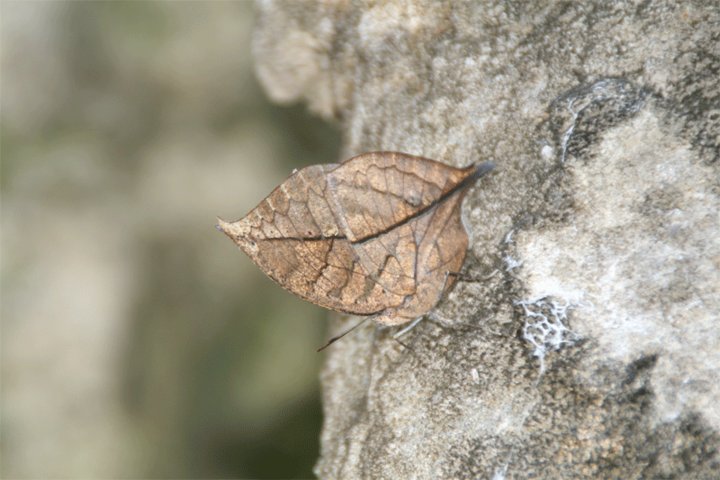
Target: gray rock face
{"type": "Point", "coordinates": [591, 347]}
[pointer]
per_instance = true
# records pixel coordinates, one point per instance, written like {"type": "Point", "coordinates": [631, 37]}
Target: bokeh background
{"type": "Point", "coordinates": [137, 341]}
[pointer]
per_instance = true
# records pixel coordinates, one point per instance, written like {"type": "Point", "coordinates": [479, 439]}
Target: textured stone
{"type": "Point", "coordinates": [591, 349]}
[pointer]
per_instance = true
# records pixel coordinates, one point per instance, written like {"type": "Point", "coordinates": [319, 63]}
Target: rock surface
{"type": "Point", "coordinates": [591, 348]}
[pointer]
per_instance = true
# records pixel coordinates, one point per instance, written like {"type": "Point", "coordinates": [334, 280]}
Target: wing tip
{"type": "Point", "coordinates": [483, 168]}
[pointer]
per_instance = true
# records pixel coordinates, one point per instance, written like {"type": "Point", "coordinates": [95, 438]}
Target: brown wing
{"type": "Point", "coordinates": [373, 192]}
{"type": "Point", "coordinates": [293, 237]}
{"type": "Point", "coordinates": [377, 234]}
{"type": "Point", "coordinates": [382, 202]}
{"type": "Point", "coordinates": [441, 244]}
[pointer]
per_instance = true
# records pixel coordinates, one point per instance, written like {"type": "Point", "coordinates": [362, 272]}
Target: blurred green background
{"type": "Point", "coordinates": [137, 341]}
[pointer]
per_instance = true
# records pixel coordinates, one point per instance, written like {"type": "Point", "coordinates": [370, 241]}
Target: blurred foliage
{"type": "Point", "coordinates": [137, 341]}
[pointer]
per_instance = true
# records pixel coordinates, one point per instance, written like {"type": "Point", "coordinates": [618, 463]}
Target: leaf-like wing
{"type": "Point", "coordinates": [374, 192]}
{"type": "Point", "coordinates": [293, 237]}
{"type": "Point", "coordinates": [375, 235]}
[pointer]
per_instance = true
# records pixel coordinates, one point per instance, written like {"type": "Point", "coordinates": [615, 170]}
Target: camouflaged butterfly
{"type": "Point", "coordinates": [378, 235]}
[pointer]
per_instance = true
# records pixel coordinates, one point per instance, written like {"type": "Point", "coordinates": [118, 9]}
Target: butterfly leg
{"type": "Point", "coordinates": [412, 325]}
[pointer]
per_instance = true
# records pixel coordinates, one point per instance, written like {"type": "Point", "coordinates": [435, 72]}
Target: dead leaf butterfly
{"type": "Point", "coordinates": [378, 235]}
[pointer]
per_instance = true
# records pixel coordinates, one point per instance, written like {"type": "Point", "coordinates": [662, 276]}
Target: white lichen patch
{"type": "Point", "coordinates": [546, 326]}
{"type": "Point", "coordinates": [511, 263]}
{"type": "Point", "coordinates": [643, 248]}
{"type": "Point", "coordinates": [500, 473]}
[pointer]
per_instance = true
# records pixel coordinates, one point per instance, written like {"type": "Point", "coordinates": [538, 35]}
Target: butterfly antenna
{"type": "Point", "coordinates": [338, 337]}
